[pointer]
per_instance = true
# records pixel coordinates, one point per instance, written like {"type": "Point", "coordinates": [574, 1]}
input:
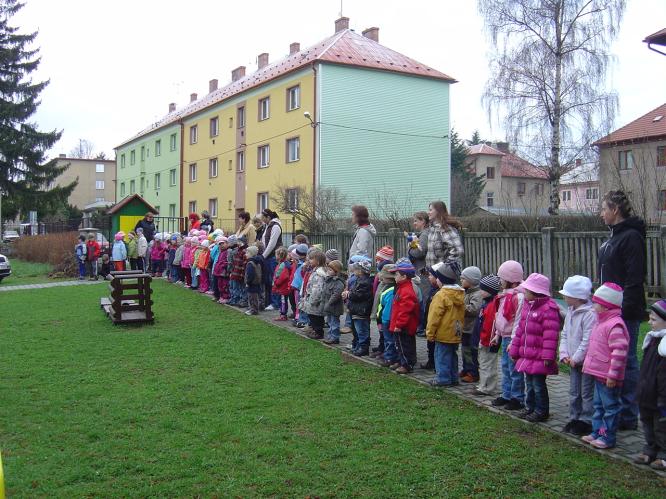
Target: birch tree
{"type": "Point", "coordinates": [548, 77]}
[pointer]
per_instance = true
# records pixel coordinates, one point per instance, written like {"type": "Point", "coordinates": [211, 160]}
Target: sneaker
{"type": "Point", "coordinates": [250, 312]}
{"type": "Point", "coordinates": [658, 464]}
{"type": "Point", "coordinates": [499, 402]}
{"type": "Point", "coordinates": [600, 444]}
{"type": "Point", "coordinates": [513, 405]}
{"type": "Point", "coordinates": [437, 384]}
{"type": "Point", "coordinates": [308, 329]}
{"type": "Point", "coordinates": [210, 292]}
{"type": "Point", "coordinates": [535, 417]}
{"type": "Point", "coordinates": [394, 366]}
{"type": "Point", "coordinates": [588, 438]}
{"type": "Point", "coordinates": [643, 459]}
{"type": "Point", "coordinates": [270, 307]}
{"type": "Point", "coordinates": [222, 301]}
{"type": "Point", "coordinates": [403, 370]}
{"type": "Point", "coordinates": [524, 413]}
{"type": "Point", "coordinates": [350, 346]}
{"type": "Point", "coordinates": [386, 363]}
{"type": "Point", "coordinates": [360, 351]}
{"type": "Point", "coordinates": [330, 341]}
{"type": "Point", "coordinates": [345, 330]}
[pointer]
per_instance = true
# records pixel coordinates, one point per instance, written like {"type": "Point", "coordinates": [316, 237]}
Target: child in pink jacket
{"type": "Point", "coordinates": [606, 360]}
{"type": "Point", "coordinates": [534, 346]}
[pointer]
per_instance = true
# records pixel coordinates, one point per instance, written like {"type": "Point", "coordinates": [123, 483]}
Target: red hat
{"type": "Point", "coordinates": [386, 253]}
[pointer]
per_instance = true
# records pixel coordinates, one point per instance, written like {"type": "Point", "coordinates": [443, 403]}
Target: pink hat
{"type": "Point", "coordinates": [510, 271]}
{"type": "Point", "coordinates": [537, 283]}
{"type": "Point", "coordinates": [119, 236]}
{"type": "Point", "coordinates": [202, 238]}
{"type": "Point", "coordinates": [220, 239]}
{"type": "Point", "coordinates": [609, 295]}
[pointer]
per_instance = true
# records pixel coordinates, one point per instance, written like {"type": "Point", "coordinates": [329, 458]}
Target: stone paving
{"type": "Point", "coordinates": [49, 285]}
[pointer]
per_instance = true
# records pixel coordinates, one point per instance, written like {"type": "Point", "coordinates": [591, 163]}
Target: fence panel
{"type": "Point", "coordinates": [489, 250]}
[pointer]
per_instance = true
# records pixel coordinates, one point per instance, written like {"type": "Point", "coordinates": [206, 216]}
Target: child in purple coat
{"type": "Point", "coordinates": [534, 347]}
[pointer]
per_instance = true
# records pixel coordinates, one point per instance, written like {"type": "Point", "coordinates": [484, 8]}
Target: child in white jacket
{"type": "Point", "coordinates": [142, 249]}
{"type": "Point", "coordinates": [578, 325]}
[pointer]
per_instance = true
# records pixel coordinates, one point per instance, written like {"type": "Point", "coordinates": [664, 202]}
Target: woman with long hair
{"type": "Point", "coordinates": [444, 242]}
{"type": "Point", "coordinates": [245, 228]}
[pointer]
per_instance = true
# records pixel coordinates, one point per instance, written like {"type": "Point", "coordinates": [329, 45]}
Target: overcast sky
{"type": "Point", "coordinates": [115, 66]}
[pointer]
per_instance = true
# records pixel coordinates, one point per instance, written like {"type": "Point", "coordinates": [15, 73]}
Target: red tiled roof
{"type": "Point", "coordinates": [346, 47]}
{"type": "Point", "coordinates": [510, 164]}
{"type": "Point", "coordinates": [483, 149]}
{"type": "Point", "coordinates": [647, 126]}
{"type": "Point", "coordinates": [658, 38]}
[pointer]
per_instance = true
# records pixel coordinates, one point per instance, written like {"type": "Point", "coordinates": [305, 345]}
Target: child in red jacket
{"type": "Point", "coordinates": [405, 316]}
{"type": "Point", "coordinates": [281, 280]}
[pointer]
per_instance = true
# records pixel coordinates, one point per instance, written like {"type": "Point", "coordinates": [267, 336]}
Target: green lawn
{"type": "Point", "coordinates": [27, 273]}
{"type": "Point", "coordinates": [208, 402]}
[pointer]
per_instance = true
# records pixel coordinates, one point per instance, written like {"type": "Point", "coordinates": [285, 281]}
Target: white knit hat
{"type": "Point", "coordinates": [608, 295]}
{"type": "Point", "coordinates": [577, 286]}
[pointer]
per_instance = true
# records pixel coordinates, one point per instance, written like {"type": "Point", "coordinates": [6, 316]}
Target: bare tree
{"type": "Point", "coordinates": [316, 212]}
{"type": "Point", "coordinates": [548, 77]}
{"type": "Point", "coordinates": [84, 150]}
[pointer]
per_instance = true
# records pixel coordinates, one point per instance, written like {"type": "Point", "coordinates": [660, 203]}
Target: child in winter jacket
{"type": "Point", "coordinates": [534, 346]}
{"type": "Point", "coordinates": [651, 394]}
{"type": "Point", "coordinates": [314, 294]}
{"type": "Point", "coordinates": [435, 286]}
{"type": "Point", "coordinates": [405, 316]}
{"type": "Point", "coordinates": [469, 280]}
{"type": "Point", "coordinates": [178, 260]}
{"type": "Point", "coordinates": [142, 250]}
{"type": "Point", "coordinates": [334, 285]}
{"type": "Point", "coordinates": [506, 321]}
{"type": "Point", "coordinates": [157, 256]}
{"type": "Point", "coordinates": [185, 263]}
{"type": "Point", "coordinates": [133, 250]}
{"type": "Point", "coordinates": [92, 255]}
{"type": "Point", "coordinates": [81, 251]}
{"type": "Point", "coordinates": [483, 330]}
{"type": "Point", "coordinates": [606, 360]}
{"type": "Point", "coordinates": [202, 264]}
{"type": "Point", "coordinates": [236, 278]}
{"type": "Point", "coordinates": [253, 278]}
{"type": "Point", "coordinates": [383, 257]}
{"type": "Point", "coordinates": [298, 255]}
{"type": "Point", "coordinates": [220, 272]}
{"type": "Point", "coordinates": [194, 270]}
{"type": "Point", "coordinates": [173, 268]}
{"type": "Point", "coordinates": [382, 281]}
{"type": "Point", "coordinates": [281, 281]}
{"type": "Point", "coordinates": [119, 252]}
{"type": "Point", "coordinates": [446, 315]}
{"type": "Point", "coordinates": [384, 298]}
{"type": "Point", "coordinates": [359, 304]}
{"type": "Point", "coordinates": [578, 324]}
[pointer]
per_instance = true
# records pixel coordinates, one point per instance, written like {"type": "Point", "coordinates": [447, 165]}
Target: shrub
{"type": "Point", "coordinates": [55, 249]}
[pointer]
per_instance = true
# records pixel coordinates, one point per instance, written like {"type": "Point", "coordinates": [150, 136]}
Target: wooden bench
{"type": "Point", "coordinates": [126, 308]}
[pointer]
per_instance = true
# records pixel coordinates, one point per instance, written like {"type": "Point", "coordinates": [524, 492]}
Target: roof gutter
{"type": "Point", "coordinates": [654, 49]}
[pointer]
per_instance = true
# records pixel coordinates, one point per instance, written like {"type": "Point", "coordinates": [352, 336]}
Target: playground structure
{"type": "Point", "coordinates": [135, 307]}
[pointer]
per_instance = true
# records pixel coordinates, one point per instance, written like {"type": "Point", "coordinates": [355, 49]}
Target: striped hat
{"type": "Point", "coordinates": [332, 254]}
{"type": "Point", "coordinates": [608, 295]}
{"type": "Point", "coordinates": [385, 253]}
{"type": "Point", "coordinates": [659, 308]}
{"type": "Point", "coordinates": [490, 284]}
{"type": "Point", "coordinates": [404, 267]}
{"type": "Point", "coordinates": [363, 265]}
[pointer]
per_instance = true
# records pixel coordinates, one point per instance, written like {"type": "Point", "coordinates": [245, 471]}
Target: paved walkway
{"type": "Point", "coordinates": [49, 285]}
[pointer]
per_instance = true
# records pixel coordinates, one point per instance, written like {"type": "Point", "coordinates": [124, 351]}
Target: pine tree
{"type": "Point", "coordinates": [476, 138]}
{"type": "Point", "coordinates": [25, 174]}
{"type": "Point", "coordinates": [466, 186]}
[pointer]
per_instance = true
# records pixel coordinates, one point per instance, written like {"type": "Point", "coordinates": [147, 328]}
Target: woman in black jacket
{"type": "Point", "coordinates": [148, 226]}
{"type": "Point", "coordinates": [622, 260]}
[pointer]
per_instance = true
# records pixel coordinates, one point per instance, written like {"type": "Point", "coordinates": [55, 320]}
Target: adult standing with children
{"type": "Point", "coordinates": [622, 260]}
{"type": "Point", "coordinates": [147, 225]}
{"type": "Point", "coordinates": [245, 228]}
{"type": "Point", "coordinates": [363, 242]}
{"type": "Point", "coordinates": [444, 242]}
{"type": "Point", "coordinates": [272, 240]}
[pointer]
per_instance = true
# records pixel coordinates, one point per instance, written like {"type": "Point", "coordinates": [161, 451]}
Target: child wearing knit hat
{"type": "Point", "coordinates": [220, 270]}
{"type": "Point", "coordinates": [334, 285]}
{"type": "Point", "coordinates": [281, 278]}
{"type": "Point", "coordinates": [469, 279]}
{"type": "Point", "coordinates": [483, 329]}
{"type": "Point", "coordinates": [650, 395]}
{"type": "Point", "coordinates": [202, 264]}
{"type": "Point", "coordinates": [359, 296]}
{"type": "Point", "coordinates": [253, 278]}
{"type": "Point", "coordinates": [606, 360]}
{"type": "Point", "coordinates": [405, 315]}
{"type": "Point", "coordinates": [331, 255]}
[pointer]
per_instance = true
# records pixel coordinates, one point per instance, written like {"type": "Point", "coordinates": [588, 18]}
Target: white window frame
{"type": "Point", "coordinates": [194, 134]}
{"type": "Point", "coordinates": [157, 181]}
{"type": "Point", "coordinates": [591, 193]}
{"type": "Point", "coordinates": [264, 108]}
{"type": "Point", "coordinates": [99, 168]}
{"type": "Point", "coordinates": [262, 201]}
{"type": "Point", "coordinates": [240, 161]}
{"type": "Point", "coordinates": [292, 204]}
{"type": "Point", "coordinates": [566, 195]}
{"type": "Point", "coordinates": [212, 207]}
{"type": "Point", "coordinates": [490, 199]}
{"type": "Point", "coordinates": [192, 172]}
{"type": "Point", "coordinates": [192, 205]}
{"type": "Point", "coordinates": [173, 141]}
{"type": "Point", "coordinates": [212, 168]}
{"type": "Point", "coordinates": [628, 155]}
{"type": "Point", "coordinates": [264, 156]}
{"type": "Point", "coordinates": [99, 185]}
{"type": "Point", "coordinates": [297, 149]}
{"type": "Point", "coordinates": [158, 148]}
{"type": "Point", "coordinates": [240, 117]}
{"type": "Point", "coordinates": [293, 98]}
{"type": "Point", "coordinates": [172, 210]}
{"type": "Point", "coordinates": [173, 177]}
{"type": "Point", "coordinates": [214, 126]}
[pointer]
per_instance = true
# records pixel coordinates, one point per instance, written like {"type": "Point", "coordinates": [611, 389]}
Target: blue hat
{"type": "Point", "coordinates": [404, 267]}
{"type": "Point", "coordinates": [301, 249]}
{"type": "Point", "coordinates": [360, 258]}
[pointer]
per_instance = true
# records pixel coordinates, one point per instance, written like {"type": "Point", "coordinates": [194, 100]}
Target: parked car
{"type": "Point", "coordinates": [5, 267]}
{"type": "Point", "coordinates": [9, 236]}
{"type": "Point", "coordinates": [101, 239]}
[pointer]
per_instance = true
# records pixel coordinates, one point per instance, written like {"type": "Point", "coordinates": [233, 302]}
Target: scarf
{"type": "Point", "coordinates": [654, 334]}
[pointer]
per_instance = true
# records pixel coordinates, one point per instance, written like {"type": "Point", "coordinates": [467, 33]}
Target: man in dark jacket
{"type": "Point", "coordinates": [622, 260]}
{"type": "Point", "coordinates": [148, 226]}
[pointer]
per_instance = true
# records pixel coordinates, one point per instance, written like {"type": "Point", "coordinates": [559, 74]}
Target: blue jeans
{"type": "Point", "coordinates": [270, 298]}
{"type": "Point", "coordinates": [348, 320]}
{"type": "Point", "coordinates": [195, 277]}
{"type": "Point", "coordinates": [537, 394]}
{"type": "Point", "coordinates": [390, 350]}
{"type": "Point", "coordinates": [513, 382]}
{"type": "Point", "coordinates": [446, 362]}
{"type": "Point", "coordinates": [629, 413]}
{"type": "Point", "coordinates": [334, 324]}
{"type": "Point", "coordinates": [362, 327]}
{"type": "Point", "coordinates": [175, 276]}
{"type": "Point", "coordinates": [607, 407]}
{"type": "Point", "coordinates": [82, 269]}
{"type": "Point", "coordinates": [303, 317]}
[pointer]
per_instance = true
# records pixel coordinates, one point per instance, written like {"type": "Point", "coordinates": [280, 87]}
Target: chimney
{"type": "Point", "coordinates": [579, 162]}
{"type": "Point", "coordinates": [193, 97]}
{"type": "Point", "coordinates": [212, 85]}
{"type": "Point", "coordinates": [502, 147]}
{"type": "Point", "coordinates": [341, 24]}
{"type": "Point", "coordinates": [238, 73]}
{"type": "Point", "coordinates": [294, 47]}
{"type": "Point", "coordinates": [63, 155]}
{"type": "Point", "coordinates": [372, 33]}
{"type": "Point", "coordinates": [172, 107]}
{"type": "Point", "coordinates": [262, 60]}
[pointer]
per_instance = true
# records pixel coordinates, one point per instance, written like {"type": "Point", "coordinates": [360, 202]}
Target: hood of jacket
{"type": "Point", "coordinates": [629, 223]}
{"type": "Point", "coordinates": [370, 228]}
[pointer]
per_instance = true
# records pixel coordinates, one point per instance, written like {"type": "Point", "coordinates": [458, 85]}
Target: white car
{"type": "Point", "coordinates": [10, 235]}
{"type": "Point", "coordinates": [5, 267]}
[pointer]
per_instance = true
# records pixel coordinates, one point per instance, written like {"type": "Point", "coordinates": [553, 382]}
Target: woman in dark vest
{"type": "Point", "coordinates": [272, 240]}
{"type": "Point", "coordinates": [148, 226]}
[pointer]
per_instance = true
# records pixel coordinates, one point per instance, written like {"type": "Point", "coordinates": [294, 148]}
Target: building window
{"type": "Point", "coordinates": [158, 148]}
{"type": "Point", "coordinates": [192, 205]}
{"type": "Point", "coordinates": [626, 160]}
{"type": "Point", "coordinates": [263, 156]}
{"type": "Point", "coordinates": [172, 177]}
{"type": "Point", "coordinates": [172, 210]}
{"type": "Point", "coordinates": [99, 185]}
{"type": "Point", "coordinates": [214, 127]}
{"type": "Point", "coordinates": [229, 205]}
{"type": "Point", "coordinates": [193, 172]}
{"type": "Point", "coordinates": [264, 108]}
{"type": "Point", "coordinates": [143, 153]}
{"type": "Point", "coordinates": [662, 200]}
{"type": "Point", "coordinates": [212, 168]}
{"type": "Point", "coordinates": [122, 189]}
{"type": "Point", "coordinates": [293, 98]}
{"type": "Point", "coordinates": [99, 200]}
{"type": "Point", "coordinates": [566, 195]}
{"type": "Point", "coordinates": [592, 193]}
{"type": "Point", "coordinates": [132, 187]}
{"type": "Point", "coordinates": [99, 168]}
{"type": "Point", "coordinates": [240, 117]}
{"type": "Point", "coordinates": [157, 181]}
{"type": "Point", "coordinates": [490, 172]}
{"type": "Point", "coordinates": [661, 156]}
{"type": "Point", "coordinates": [231, 164]}
{"type": "Point", "coordinates": [142, 185]}
{"type": "Point", "coordinates": [538, 189]}
{"type": "Point", "coordinates": [293, 149]}
{"type": "Point", "coordinates": [292, 200]}
{"type": "Point", "coordinates": [172, 142]}
{"type": "Point", "coordinates": [194, 134]}
{"type": "Point", "coordinates": [132, 157]}
{"type": "Point", "coordinates": [490, 199]}
{"type": "Point", "coordinates": [262, 201]}
{"type": "Point", "coordinates": [240, 161]}
{"type": "Point", "coordinates": [212, 207]}
{"type": "Point", "coordinates": [521, 188]}
{"type": "Point", "coordinates": [231, 122]}
{"type": "Point", "coordinates": [122, 161]}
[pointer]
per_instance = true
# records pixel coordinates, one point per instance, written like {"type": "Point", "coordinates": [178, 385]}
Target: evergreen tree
{"type": "Point", "coordinates": [25, 174]}
{"type": "Point", "coordinates": [466, 185]}
{"type": "Point", "coordinates": [476, 138]}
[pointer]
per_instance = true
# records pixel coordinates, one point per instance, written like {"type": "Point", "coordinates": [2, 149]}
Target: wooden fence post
{"type": "Point", "coordinates": [662, 260]}
{"type": "Point", "coordinates": [394, 241]}
{"type": "Point", "coordinates": [548, 253]}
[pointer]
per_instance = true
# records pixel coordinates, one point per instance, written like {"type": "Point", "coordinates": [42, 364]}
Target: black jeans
{"type": "Point", "coordinates": [406, 347]}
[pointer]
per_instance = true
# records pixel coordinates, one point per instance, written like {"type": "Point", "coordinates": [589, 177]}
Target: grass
{"type": "Point", "coordinates": [208, 402]}
{"type": "Point", "coordinates": [27, 273]}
